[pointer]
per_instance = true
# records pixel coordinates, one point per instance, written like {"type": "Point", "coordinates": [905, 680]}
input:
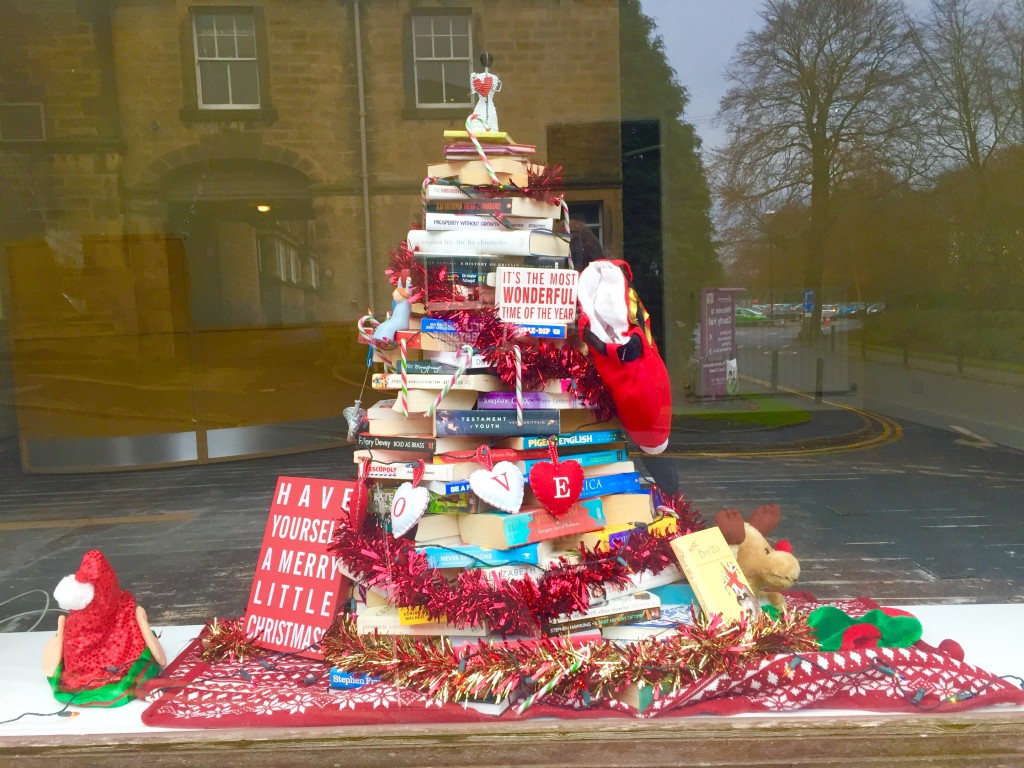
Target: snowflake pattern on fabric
{"type": "Point", "coordinates": [293, 691]}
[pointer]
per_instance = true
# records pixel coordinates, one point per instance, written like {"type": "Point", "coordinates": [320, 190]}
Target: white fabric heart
{"type": "Point", "coordinates": [407, 508]}
{"type": "Point", "coordinates": [501, 487]}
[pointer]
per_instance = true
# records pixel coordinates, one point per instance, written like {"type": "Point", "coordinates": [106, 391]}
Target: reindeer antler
{"type": "Point", "coordinates": [730, 522]}
{"type": "Point", "coordinates": [764, 519]}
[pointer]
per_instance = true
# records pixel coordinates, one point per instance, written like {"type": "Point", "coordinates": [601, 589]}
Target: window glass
{"type": "Point", "coordinates": [441, 59]}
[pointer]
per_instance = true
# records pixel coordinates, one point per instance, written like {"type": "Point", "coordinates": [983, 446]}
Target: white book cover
{"type": "Point", "coordinates": [519, 243]}
{"type": "Point", "coordinates": [435, 222]}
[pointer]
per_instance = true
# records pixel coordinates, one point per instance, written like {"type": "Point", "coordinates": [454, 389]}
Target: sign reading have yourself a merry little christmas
{"type": "Point", "coordinates": [298, 582]}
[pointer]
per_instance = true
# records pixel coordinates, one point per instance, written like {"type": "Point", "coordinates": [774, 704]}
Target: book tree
{"type": "Point", "coordinates": [502, 506]}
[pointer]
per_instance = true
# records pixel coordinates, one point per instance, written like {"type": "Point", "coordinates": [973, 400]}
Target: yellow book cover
{"type": "Point", "coordinates": [714, 575]}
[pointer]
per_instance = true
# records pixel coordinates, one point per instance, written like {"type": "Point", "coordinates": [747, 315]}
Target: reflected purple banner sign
{"type": "Point", "coordinates": [717, 324]}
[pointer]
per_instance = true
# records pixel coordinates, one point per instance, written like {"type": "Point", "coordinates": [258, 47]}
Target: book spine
{"type": "Point", "coordinates": [542, 331]}
{"type": "Point", "coordinates": [442, 473]}
{"type": "Point", "coordinates": [343, 680]}
{"type": "Point", "coordinates": [582, 517]}
{"type": "Point", "coordinates": [443, 222]}
{"type": "Point", "coordinates": [497, 401]}
{"type": "Point", "coordinates": [585, 459]}
{"type": "Point", "coordinates": [627, 482]}
{"type": "Point", "coordinates": [448, 488]}
{"type": "Point", "coordinates": [460, 204]}
{"type": "Point", "coordinates": [520, 243]}
{"type": "Point", "coordinates": [572, 439]}
{"type": "Point", "coordinates": [570, 625]}
{"type": "Point", "coordinates": [427, 381]}
{"type": "Point", "coordinates": [503, 422]}
{"type": "Point", "coordinates": [412, 444]}
{"type": "Point", "coordinates": [475, 557]}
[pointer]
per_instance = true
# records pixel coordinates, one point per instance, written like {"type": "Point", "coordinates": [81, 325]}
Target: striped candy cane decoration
{"type": "Point", "coordinates": [462, 360]}
{"type": "Point", "coordinates": [403, 395]}
{"type": "Point", "coordinates": [519, 385]}
{"type": "Point", "coordinates": [479, 148]}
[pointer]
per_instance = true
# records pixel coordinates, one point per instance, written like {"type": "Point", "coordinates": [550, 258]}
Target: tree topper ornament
{"type": "Point", "coordinates": [485, 84]}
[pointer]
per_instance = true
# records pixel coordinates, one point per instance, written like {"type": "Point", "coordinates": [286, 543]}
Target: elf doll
{"type": "Point", "coordinates": [104, 648]}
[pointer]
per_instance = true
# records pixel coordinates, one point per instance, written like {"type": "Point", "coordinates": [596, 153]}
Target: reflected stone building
{"type": "Point", "coordinates": [198, 200]}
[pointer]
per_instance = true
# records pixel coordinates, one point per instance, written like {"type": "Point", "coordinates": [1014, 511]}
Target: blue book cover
{"type": "Point", "coordinates": [574, 439]}
{"type": "Point", "coordinates": [342, 679]}
{"type": "Point", "coordinates": [589, 459]}
{"type": "Point", "coordinates": [627, 482]}
{"type": "Point", "coordinates": [442, 488]}
{"type": "Point", "coordinates": [430, 324]}
{"type": "Point", "coordinates": [497, 422]}
{"type": "Point", "coordinates": [469, 556]}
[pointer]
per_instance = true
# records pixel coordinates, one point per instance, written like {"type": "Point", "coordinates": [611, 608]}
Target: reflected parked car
{"type": "Point", "coordinates": [748, 316]}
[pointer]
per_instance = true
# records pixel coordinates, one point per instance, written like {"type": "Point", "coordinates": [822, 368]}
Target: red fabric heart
{"type": "Point", "coordinates": [482, 85]}
{"type": "Point", "coordinates": [557, 485]}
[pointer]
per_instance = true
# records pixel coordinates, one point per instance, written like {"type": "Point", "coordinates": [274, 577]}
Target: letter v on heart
{"type": "Point", "coordinates": [501, 486]}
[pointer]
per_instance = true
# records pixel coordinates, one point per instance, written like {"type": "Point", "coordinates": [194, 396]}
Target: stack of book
{"type": "Point", "coordinates": [440, 405]}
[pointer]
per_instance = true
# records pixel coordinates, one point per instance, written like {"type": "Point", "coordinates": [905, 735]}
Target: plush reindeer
{"type": "Point", "coordinates": [767, 569]}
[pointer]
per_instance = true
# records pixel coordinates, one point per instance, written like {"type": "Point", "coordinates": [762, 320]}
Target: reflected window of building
{"type": "Point", "coordinates": [22, 122]}
{"type": "Point", "coordinates": [589, 213]}
{"type": "Point", "coordinates": [227, 66]}
{"type": "Point", "coordinates": [442, 45]}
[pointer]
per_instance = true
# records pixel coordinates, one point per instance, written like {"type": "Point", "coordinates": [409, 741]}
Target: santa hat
{"type": "Point", "coordinates": [101, 633]}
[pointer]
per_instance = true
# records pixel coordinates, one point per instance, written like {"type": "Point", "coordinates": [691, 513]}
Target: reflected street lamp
{"type": "Point", "coordinates": [771, 269]}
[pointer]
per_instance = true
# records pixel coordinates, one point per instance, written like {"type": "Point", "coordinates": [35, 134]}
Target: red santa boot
{"type": "Point", "coordinates": [617, 328]}
{"type": "Point", "coordinates": [105, 646]}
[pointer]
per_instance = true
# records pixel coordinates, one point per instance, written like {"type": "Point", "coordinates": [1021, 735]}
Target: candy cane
{"type": "Point", "coordinates": [565, 212]}
{"type": "Point", "coordinates": [403, 396]}
{"type": "Point", "coordinates": [519, 385]}
{"type": "Point", "coordinates": [365, 335]}
{"type": "Point", "coordinates": [479, 147]}
{"type": "Point", "coordinates": [462, 360]}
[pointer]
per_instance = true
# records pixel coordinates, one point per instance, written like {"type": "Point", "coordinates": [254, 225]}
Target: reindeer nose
{"type": "Point", "coordinates": [784, 546]}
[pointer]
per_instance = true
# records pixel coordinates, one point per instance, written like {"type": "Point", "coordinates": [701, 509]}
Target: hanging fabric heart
{"type": "Point", "coordinates": [409, 504]}
{"type": "Point", "coordinates": [358, 510]}
{"type": "Point", "coordinates": [556, 484]}
{"type": "Point", "coordinates": [500, 485]}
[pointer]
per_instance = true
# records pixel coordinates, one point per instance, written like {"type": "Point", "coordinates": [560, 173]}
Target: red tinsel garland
{"type": "Point", "coordinates": [506, 606]}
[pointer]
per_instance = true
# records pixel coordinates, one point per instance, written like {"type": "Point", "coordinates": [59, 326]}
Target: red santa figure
{"type": "Point", "coordinates": [104, 648]}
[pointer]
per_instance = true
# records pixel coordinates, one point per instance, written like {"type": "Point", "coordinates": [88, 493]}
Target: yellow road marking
{"type": "Point", "coordinates": [23, 525]}
{"type": "Point", "coordinates": [891, 432]}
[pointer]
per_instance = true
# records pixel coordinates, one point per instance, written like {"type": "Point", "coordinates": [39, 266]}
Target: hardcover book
{"type": "Point", "coordinates": [628, 508]}
{"type": "Point", "coordinates": [569, 440]}
{"type": "Point", "coordinates": [627, 482]}
{"type": "Point", "coordinates": [434, 222]}
{"type": "Point", "coordinates": [480, 382]}
{"type": "Point", "coordinates": [416, 444]}
{"type": "Point", "coordinates": [522, 243]}
{"type": "Point", "coordinates": [457, 555]}
{"type": "Point", "coordinates": [642, 606]}
{"type": "Point", "coordinates": [712, 571]}
{"type": "Point", "coordinates": [404, 470]}
{"type": "Point", "coordinates": [504, 531]}
{"type": "Point", "coordinates": [506, 206]}
{"type": "Point", "coordinates": [540, 421]}
{"type": "Point", "coordinates": [665, 625]}
{"type": "Point", "coordinates": [531, 400]}
{"type": "Point", "coordinates": [386, 620]}
{"type": "Point", "coordinates": [585, 460]}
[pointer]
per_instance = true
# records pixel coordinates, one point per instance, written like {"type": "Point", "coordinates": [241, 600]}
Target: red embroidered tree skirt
{"type": "Point", "coordinates": [287, 691]}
